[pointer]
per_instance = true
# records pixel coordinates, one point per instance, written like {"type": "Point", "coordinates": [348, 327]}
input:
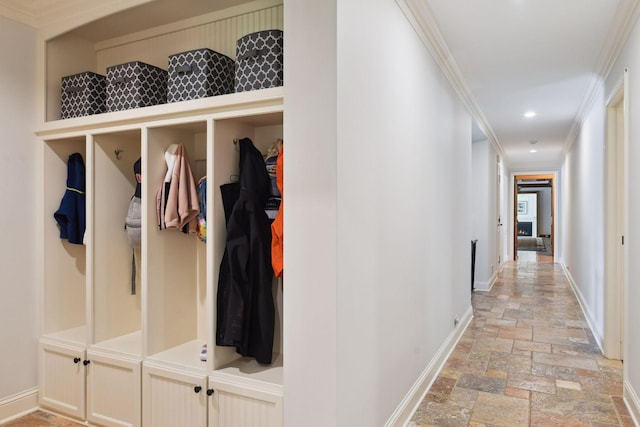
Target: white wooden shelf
{"type": "Point", "coordinates": [186, 355]}
{"type": "Point", "coordinates": [129, 344]}
{"type": "Point", "coordinates": [223, 106]}
{"type": "Point", "coordinates": [74, 336]}
{"type": "Point", "coordinates": [246, 371]}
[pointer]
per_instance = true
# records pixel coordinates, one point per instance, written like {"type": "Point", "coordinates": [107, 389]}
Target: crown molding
{"type": "Point", "coordinates": [36, 12]}
{"type": "Point", "coordinates": [623, 22]}
{"type": "Point", "coordinates": [421, 18]}
{"type": "Point", "coordinates": [23, 11]}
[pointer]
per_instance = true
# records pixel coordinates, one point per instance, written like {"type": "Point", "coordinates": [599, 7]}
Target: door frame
{"type": "Point", "coordinates": [514, 221]}
{"type": "Point", "coordinates": [616, 220]}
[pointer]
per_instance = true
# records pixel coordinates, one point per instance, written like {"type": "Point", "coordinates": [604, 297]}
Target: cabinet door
{"type": "Point", "coordinates": [241, 406]}
{"type": "Point", "coordinates": [173, 398]}
{"type": "Point", "coordinates": [113, 391]}
{"type": "Point", "coordinates": [62, 379]}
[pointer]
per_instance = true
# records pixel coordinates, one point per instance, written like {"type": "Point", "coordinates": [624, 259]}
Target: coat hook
{"type": "Point", "coordinates": [117, 153]}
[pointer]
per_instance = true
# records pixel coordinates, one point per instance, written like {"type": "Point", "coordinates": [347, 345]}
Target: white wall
{"type": "Point", "coordinates": [404, 232]}
{"type": "Point", "coordinates": [584, 220]}
{"type": "Point", "coordinates": [505, 207]}
{"type": "Point", "coordinates": [630, 58]}
{"type": "Point", "coordinates": [484, 212]}
{"type": "Point", "coordinates": [378, 187]}
{"type": "Point", "coordinates": [530, 214]}
{"type": "Point", "coordinates": [544, 210]}
{"type": "Point", "coordinates": [310, 277]}
{"type": "Point", "coordinates": [18, 186]}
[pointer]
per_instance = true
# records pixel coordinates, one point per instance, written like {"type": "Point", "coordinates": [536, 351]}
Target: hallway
{"type": "Point", "coordinates": [528, 358]}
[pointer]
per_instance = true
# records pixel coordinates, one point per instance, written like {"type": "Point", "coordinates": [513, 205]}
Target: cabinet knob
{"type": "Point", "coordinates": [86, 362]}
{"type": "Point", "coordinates": [197, 389]}
{"type": "Point", "coordinates": [210, 392]}
{"type": "Point", "coordinates": [76, 360]}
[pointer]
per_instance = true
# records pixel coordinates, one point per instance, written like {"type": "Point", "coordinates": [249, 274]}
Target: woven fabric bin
{"type": "Point", "coordinates": [135, 84]}
{"type": "Point", "coordinates": [259, 61]}
{"type": "Point", "coordinates": [199, 73]}
{"type": "Point", "coordinates": [83, 94]}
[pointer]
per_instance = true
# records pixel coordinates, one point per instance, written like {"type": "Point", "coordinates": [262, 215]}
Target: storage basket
{"type": "Point", "coordinates": [198, 74]}
{"type": "Point", "coordinates": [259, 60]}
{"type": "Point", "coordinates": [83, 94]}
{"type": "Point", "coordinates": [135, 84]}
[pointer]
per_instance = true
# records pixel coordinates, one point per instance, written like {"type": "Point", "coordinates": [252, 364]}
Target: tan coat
{"type": "Point", "coordinates": [177, 199]}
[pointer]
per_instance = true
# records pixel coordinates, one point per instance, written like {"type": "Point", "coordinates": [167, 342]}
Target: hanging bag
{"type": "Point", "coordinates": [133, 223]}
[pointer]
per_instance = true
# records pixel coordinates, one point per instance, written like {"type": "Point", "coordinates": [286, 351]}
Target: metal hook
{"type": "Point", "coordinates": [117, 153]}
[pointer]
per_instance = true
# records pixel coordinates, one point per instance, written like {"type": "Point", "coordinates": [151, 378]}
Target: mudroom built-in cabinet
{"type": "Point", "coordinates": [124, 328]}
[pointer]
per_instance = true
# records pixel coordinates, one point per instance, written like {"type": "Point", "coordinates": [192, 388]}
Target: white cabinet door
{"type": "Point", "coordinates": [113, 391]}
{"type": "Point", "coordinates": [62, 379]}
{"type": "Point", "coordinates": [172, 398]}
{"type": "Point", "coordinates": [241, 406]}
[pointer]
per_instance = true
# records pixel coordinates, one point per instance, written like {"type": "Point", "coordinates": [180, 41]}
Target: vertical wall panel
{"type": "Point", "coordinates": [171, 400]}
{"type": "Point", "coordinates": [220, 36]}
{"type": "Point", "coordinates": [113, 391]}
{"type": "Point", "coordinates": [241, 411]}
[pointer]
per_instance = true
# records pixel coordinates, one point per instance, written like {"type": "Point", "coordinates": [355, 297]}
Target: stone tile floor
{"type": "Point", "coordinates": [40, 419]}
{"type": "Point", "coordinates": [528, 358]}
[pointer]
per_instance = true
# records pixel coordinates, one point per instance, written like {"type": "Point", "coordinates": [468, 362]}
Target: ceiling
{"type": "Point", "coordinates": [149, 15]}
{"type": "Point", "coordinates": [544, 56]}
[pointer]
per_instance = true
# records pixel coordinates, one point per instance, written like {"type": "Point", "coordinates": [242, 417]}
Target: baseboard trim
{"type": "Point", "coordinates": [18, 405]}
{"type": "Point", "coordinates": [631, 400]}
{"type": "Point", "coordinates": [486, 286]}
{"type": "Point", "coordinates": [585, 309]}
{"type": "Point", "coordinates": [403, 413]}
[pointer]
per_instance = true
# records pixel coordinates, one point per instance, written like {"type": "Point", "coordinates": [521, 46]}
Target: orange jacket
{"type": "Point", "coordinates": [277, 242]}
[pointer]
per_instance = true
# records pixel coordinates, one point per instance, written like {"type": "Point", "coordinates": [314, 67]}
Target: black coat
{"type": "Point", "coordinates": [245, 307]}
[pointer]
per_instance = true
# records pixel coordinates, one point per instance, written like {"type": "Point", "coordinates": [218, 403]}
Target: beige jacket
{"type": "Point", "coordinates": [177, 199]}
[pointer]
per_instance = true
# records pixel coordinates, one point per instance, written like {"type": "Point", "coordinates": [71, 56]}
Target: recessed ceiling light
{"type": "Point", "coordinates": [530, 114]}
{"type": "Point", "coordinates": [533, 150]}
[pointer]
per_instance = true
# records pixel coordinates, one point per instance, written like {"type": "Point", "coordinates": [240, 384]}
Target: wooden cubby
{"type": "Point", "coordinates": [175, 262]}
{"type": "Point", "coordinates": [116, 311]}
{"type": "Point", "coordinates": [65, 264]}
{"type": "Point", "coordinates": [263, 130]}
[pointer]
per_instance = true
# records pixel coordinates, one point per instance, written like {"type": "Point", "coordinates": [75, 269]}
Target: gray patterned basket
{"type": "Point", "coordinates": [135, 84]}
{"type": "Point", "coordinates": [199, 73]}
{"type": "Point", "coordinates": [83, 94]}
{"type": "Point", "coordinates": [259, 61]}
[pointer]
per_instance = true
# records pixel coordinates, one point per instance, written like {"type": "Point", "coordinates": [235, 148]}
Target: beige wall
{"type": "Point", "coordinates": [19, 261]}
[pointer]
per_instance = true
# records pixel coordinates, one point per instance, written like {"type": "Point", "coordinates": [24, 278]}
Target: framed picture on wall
{"type": "Point", "coordinates": [522, 208]}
